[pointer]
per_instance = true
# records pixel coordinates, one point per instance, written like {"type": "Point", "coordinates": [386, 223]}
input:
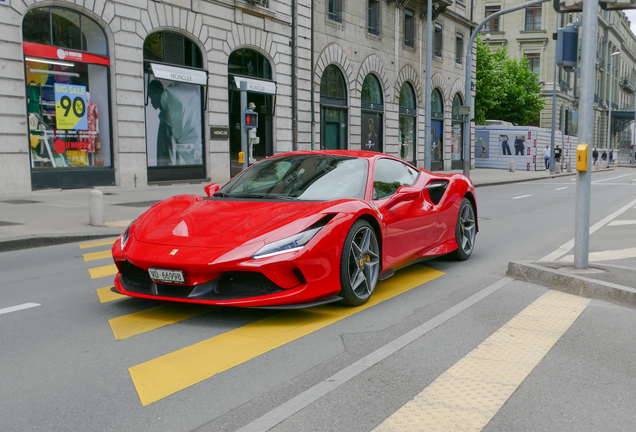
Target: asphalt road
{"type": "Point", "coordinates": [77, 363]}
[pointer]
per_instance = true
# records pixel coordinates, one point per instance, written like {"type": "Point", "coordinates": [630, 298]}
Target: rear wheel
{"type": "Point", "coordinates": [465, 231]}
{"type": "Point", "coordinates": [359, 264]}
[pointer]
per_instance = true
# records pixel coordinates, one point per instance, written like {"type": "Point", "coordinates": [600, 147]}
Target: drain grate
{"type": "Point", "coordinates": [139, 203]}
{"type": "Point", "coordinates": [20, 201]}
{"type": "Point", "coordinates": [4, 223]}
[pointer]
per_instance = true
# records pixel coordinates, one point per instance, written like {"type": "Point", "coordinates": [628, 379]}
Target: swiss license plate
{"type": "Point", "coordinates": [162, 275]}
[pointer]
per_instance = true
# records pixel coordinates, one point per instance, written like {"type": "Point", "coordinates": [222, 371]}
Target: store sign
{"type": "Point", "coordinates": [70, 107]}
{"type": "Point", "coordinates": [172, 73]}
{"type": "Point", "coordinates": [46, 51]}
{"type": "Point", "coordinates": [219, 133]}
{"type": "Point", "coordinates": [256, 86]}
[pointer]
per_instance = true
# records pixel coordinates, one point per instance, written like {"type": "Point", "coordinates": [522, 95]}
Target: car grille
{"type": "Point", "coordinates": [229, 286]}
{"type": "Point", "coordinates": [245, 284]}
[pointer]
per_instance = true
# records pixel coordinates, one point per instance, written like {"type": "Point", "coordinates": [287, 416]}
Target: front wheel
{"type": "Point", "coordinates": [359, 264]}
{"type": "Point", "coordinates": [465, 231]}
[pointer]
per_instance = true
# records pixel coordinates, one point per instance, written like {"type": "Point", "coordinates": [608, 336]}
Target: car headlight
{"type": "Point", "coordinates": [125, 235]}
{"type": "Point", "coordinates": [289, 244]}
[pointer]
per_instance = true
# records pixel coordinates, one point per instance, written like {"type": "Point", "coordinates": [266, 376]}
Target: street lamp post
{"type": "Point", "coordinates": [609, 102]}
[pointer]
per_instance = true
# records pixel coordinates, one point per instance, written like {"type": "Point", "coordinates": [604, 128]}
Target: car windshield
{"type": "Point", "coordinates": [303, 177]}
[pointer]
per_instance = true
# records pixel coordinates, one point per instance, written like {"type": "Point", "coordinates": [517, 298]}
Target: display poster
{"type": "Point", "coordinates": [437, 140]}
{"type": "Point", "coordinates": [371, 131]}
{"type": "Point", "coordinates": [482, 144]}
{"type": "Point", "coordinates": [70, 107]}
{"type": "Point", "coordinates": [457, 143]}
{"type": "Point", "coordinates": [173, 123]}
{"type": "Point", "coordinates": [517, 144]}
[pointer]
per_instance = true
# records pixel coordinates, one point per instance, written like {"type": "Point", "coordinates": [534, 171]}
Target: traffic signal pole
{"type": "Point", "coordinates": [586, 132]}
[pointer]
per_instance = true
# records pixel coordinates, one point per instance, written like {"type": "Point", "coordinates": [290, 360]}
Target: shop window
{"type": "Point", "coordinates": [457, 134]}
{"type": "Point", "coordinates": [68, 97]}
{"type": "Point", "coordinates": [372, 114]}
{"type": "Point", "coordinates": [408, 121]}
{"type": "Point", "coordinates": [437, 129]}
{"type": "Point", "coordinates": [409, 28]}
{"type": "Point", "coordinates": [251, 63]}
{"type": "Point", "coordinates": [172, 48]}
{"type": "Point", "coordinates": [333, 109]}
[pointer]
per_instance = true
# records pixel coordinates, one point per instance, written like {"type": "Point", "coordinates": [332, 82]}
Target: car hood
{"type": "Point", "coordinates": [203, 222]}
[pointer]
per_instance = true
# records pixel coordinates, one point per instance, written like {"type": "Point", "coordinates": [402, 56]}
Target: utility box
{"type": "Point", "coordinates": [567, 50]}
{"type": "Point", "coordinates": [581, 157]}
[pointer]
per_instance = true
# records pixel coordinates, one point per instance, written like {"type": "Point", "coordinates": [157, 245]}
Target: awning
{"type": "Point", "coordinates": [172, 73]}
{"type": "Point", "coordinates": [256, 86]}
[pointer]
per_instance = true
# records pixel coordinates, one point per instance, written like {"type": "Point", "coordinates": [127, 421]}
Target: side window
{"type": "Point", "coordinates": [390, 175]}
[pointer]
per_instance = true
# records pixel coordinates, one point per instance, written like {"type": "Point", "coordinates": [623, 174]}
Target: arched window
{"type": "Point", "coordinates": [457, 135]}
{"type": "Point", "coordinates": [408, 120]}
{"type": "Point", "coordinates": [250, 63]}
{"type": "Point", "coordinates": [372, 114]}
{"type": "Point", "coordinates": [67, 74]}
{"type": "Point", "coordinates": [437, 130]}
{"type": "Point", "coordinates": [173, 48]}
{"type": "Point", "coordinates": [175, 88]}
{"type": "Point", "coordinates": [333, 109]}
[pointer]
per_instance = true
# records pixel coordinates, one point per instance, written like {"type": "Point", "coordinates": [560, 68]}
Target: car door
{"type": "Point", "coordinates": [408, 225]}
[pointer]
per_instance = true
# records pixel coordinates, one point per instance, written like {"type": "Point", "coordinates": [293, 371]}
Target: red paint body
{"type": "Point", "coordinates": [222, 235]}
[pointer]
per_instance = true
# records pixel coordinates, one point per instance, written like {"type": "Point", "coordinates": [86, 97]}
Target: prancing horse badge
{"type": "Point", "coordinates": [174, 252]}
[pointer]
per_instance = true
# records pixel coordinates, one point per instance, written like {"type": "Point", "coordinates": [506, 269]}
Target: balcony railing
{"type": "Point", "coordinates": [628, 85]}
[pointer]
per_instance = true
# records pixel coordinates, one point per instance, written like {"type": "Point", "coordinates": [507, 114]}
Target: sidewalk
{"type": "Point", "coordinates": [42, 218]}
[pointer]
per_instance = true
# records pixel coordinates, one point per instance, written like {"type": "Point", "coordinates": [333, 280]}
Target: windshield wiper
{"type": "Point", "coordinates": [259, 196]}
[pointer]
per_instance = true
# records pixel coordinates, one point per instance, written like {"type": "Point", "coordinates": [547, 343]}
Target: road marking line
{"type": "Point", "coordinates": [561, 188]}
{"type": "Point", "coordinates": [90, 244]}
{"type": "Point", "coordinates": [291, 407]}
{"type": "Point", "coordinates": [622, 222]}
{"type": "Point", "coordinates": [565, 248]}
{"type": "Point", "coordinates": [607, 255]}
{"type": "Point", "coordinates": [522, 196]}
{"type": "Point", "coordinates": [469, 394]}
{"type": "Point", "coordinates": [611, 178]}
{"type": "Point", "coordinates": [18, 308]}
{"type": "Point", "coordinates": [150, 319]}
{"type": "Point", "coordinates": [163, 376]}
{"type": "Point", "coordinates": [98, 255]}
{"type": "Point", "coordinates": [107, 294]}
{"type": "Point", "coordinates": [107, 270]}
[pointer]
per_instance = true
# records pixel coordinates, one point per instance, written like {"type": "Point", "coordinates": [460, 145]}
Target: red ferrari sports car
{"type": "Point", "coordinates": [297, 230]}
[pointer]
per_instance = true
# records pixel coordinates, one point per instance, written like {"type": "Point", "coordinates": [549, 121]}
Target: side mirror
{"type": "Point", "coordinates": [404, 193]}
{"type": "Point", "coordinates": [211, 189]}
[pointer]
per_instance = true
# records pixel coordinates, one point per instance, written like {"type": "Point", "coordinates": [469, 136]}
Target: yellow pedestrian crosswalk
{"type": "Point", "coordinates": [163, 376]}
{"type": "Point", "coordinates": [107, 270]}
{"type": "Point", "coordinates": [95, 243]}
{"type": "Point", "coordinates": [150, 319]}
{"type": "Point", "coordinates": [108, 294]}
{"type": "Point", "coordinates": [97, 255]}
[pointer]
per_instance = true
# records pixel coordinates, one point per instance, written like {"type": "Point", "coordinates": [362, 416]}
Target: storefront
{"type": "Point", "coordinates": [68, 100]}
{"type": "Point", "coordinates": [175, 94]}
{"type": "Point", "coordinates": [437, 131]}
{"type": "Point", "coordinates": [457, 135]}
{"type": "Point", "coordinates": [255, 70]}
{"type": "Point", "coordinates": [408, 120]}
{"type": "Point", "coordinates": [372, 114]}
{"type": "Point", "coordinates": [333, 110]}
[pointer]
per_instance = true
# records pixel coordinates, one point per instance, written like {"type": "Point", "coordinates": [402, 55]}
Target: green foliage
{"type": "Point", "coordinates": [506, 89]}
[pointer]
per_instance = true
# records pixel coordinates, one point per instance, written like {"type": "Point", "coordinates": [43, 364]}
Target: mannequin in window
{"type": "Point", "coordinates": [92, 115]}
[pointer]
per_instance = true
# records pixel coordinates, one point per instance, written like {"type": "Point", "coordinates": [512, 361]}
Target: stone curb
{"type": "Point", "coordinates": [533, 179]}
{"type": "Point", "coordinates": [35, 242]}
{"type": "Point", "coordinates": [573, 284]}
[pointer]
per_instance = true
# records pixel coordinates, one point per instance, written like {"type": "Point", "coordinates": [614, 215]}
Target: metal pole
{"type": "Point", "coordinates": [633, 152]}
{"type": "Point", "coordinates": [427, 89]}
{"type": "Point", "coordinates": [554, 92]}
{"type": "Point", "coordinates": [609, 101]}
{"type": "Point", "coordinates": [243, 130]}
{"type": "Point", "coordinates": [586, 132]}
{"type": "Point", "coordinates": [469, 65]}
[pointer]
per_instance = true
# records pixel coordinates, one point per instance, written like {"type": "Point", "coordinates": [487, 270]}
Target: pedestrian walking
{"type": "Point", "coordinates": [611, 156]}
{"type": "Point", "coordinates": [604, 156]}
{"type": "Point", "coordinates": [546, 157]}
{"type": "Point", "coordinates": [557, 154]}
{"type": "Point", "coordinates": [595, 155]}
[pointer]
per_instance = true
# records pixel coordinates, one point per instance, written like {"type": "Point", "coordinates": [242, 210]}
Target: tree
{"type": "Point", "coordinates": [506, 89]}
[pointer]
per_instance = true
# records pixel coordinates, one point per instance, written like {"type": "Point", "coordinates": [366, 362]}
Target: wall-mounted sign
{"type": "Point", "coordinates": [172, 73]}
{"type": "Point", "coordinates": [70, 107]}
{"type": "Point", "coordinates": [38, 50]}
{"type": "Point", "coordinates": [256, 86]}
{"type": "Point", "coordinates": [219, 133]}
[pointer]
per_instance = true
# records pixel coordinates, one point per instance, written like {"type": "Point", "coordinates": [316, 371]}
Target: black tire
{"type": "Point", "coordinates": [359, 264]}
{"type": "Point", "coordinates": [465, 231]}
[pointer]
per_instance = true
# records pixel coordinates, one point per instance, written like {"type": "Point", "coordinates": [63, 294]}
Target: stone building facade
{"type": "Point", "coordinates": [127, 93]}
{"type": "Point", "coordinates": [529, 32]}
